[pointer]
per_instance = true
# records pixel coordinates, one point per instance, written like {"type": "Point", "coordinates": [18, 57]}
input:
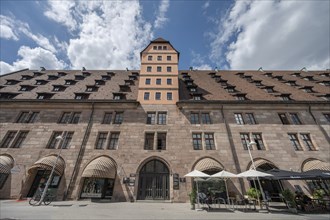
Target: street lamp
{"type": "Point", "coordinates": [59, 139]}
{"type": "Point", "coordinates": [254, 167]}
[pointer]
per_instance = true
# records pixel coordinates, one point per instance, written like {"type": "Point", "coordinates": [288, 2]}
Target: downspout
{"type": "Point", "coordinates": [316, 122]}
{"type": "Point", "coordinates": [80, 154]}
{"type": "Point", "coordinates": [233, 150]}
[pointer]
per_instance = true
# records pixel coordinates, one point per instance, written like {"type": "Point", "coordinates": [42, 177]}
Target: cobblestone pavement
{"type": "Point", "coordinates": [11, 209]}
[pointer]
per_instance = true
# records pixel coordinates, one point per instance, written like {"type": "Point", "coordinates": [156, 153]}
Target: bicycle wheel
{"type": "Point", "coordinates": [48, 199]}
{"type": "Point", "coordinates": [35, 200]}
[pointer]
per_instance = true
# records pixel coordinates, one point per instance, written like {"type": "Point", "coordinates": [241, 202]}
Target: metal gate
{"type": "Point", "coordinates": [154, 181]}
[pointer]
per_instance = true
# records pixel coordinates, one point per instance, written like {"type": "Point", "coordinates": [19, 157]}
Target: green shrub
{"type": "Point", "coordinates": [289, 197]}
{"type": "Point", "coordinates": [318, 194]}
{"type": "Point", "coordinates": [192, 196]}
{"type": "Point", "coordinates": [253, 193]}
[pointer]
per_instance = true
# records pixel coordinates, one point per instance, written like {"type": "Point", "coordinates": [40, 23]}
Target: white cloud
{"type": "Point", "coordinates": [274, 35]}
{"type": "Point", "coordinates": [12, 28]}
{"type": "Point", "coordinates": [33, 58]}
{"type": "Point", "coordinates": [109, 34]}
{"type": "Point", "coordinates": [206, 5]}
{"type": "Point", "coordinates": [198, 62]}
{"type": "Point", "coordinates": [7, 28]}
{"type": "Point", "coordinates": [161, 14]}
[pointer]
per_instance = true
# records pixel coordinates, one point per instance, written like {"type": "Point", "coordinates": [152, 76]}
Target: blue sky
{"type": "Point", "coordinates": [110, 34]}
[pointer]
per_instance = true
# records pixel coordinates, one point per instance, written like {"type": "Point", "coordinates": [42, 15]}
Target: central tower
{"type": "Point", "coordinates": [159, 82]}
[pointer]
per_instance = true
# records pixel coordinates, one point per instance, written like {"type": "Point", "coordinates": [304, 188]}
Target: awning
{"type": "Point", "coordinates": [316, 165]}
{"type": "Point", "coordinates": [208, 164]}
{"type": "Point", "coordinates": [47, 164]}
{"type": "Point", "coordinates": [101, 167]}
{"type": "Point", "coordinates": [6, 163]}
{"type": "Point", "coordinates": [260, 162]}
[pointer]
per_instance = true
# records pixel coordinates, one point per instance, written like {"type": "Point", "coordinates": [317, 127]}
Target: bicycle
{"type": "Point", "coordinates": [35, 200]}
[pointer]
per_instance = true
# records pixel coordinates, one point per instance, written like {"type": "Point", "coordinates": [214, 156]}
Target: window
{"type": "Point", "coordinates": [259, 142]}
{"type": "Point", "coordinates": [239, 118]}
{"type": "Point", "coordinates": [249, 118]}
{"type": "Point", "coordinates": [245, 139]}
{"type": "Point", "coordinates": [308, 142]}
{"type": "Point", "coordinates": [194, 118]}
{"type": "Point", "coordinates": [169, 96]}
{"type": "Point", "coordinates": [169, 81]}
{"type": "Point", "coordinates": [155, 47]}
{"type": "Point", "coordinates": [149, 58]}
{"type": "Point", "coordinates": [197, 97]}
{"type": "Point", "coordinates": [149, 141]}
{"type": "Point", "coordinates": [230, 89]}
{"type": "Point", "coordinates": [159, 47]}
{"type": "Point", "coordinates": [67, 137]}
{"type": "Point", "coordinates": [209, 141]}
{"type": "Point", "coordinates": [118, 118]}
{"type": "Point", "coordinates": [151, 118]}
{"type": "Point", "coordinates": [197, 141]}
{"type": "Point", "coordinates": [25, 88]}
{"type": "Point", "coordinates": [269, 89]}
{"type": "Point", "coordinates": [241, 97]}
{"type": "Point", "coordinates": [11, 82]}
{"type": "Point", "coordinates": [79, 77]}
{"type": "Point", "coordinates": [295, 119]}
{"type": "Point", "coordinates": [146, 95]}
{"type": "Point", "coordinates": [161, 141]}
{"type": "Point", "coordinates": [285, 97]}
{"type": "Point", "coordinates": [81, 96]}
{"type": "Point", "coordinates": [106, 77]}
{"type": "Point", "coordinates": [70, 82]}
{"type": "Point", "coordinates": [283, 118]}
{"type": "Point", "coordinates": [99, 82]}
{"type": "Point", "coordinates": [107, 118]}
{"type": "Point", "coordinates": [169, 69]}
{"type": "Point", "coordinates": [149, 69]}
{"type": "Point", "coordinates": [159, 68]}
{"type": "Point", "coordinates": [57, 88]}
{"type": "Point", "coordinates": [162, 118]}
{"type": "Point", "coordinates": [159, 58]}
{"type": "Point", "coordinates": [101, 139]}
{"type": "Point", "coordinates": [8, 139]}
{"type": "Point", "coordinates": [91, 88]}
{"type": "Point", "coordinates": [158, 81]}
{"type": "Point", "coordinates": [327, 116]}
{"type": "Point", "coordinates": [113, 143]}
{"type": "Point", "coordinates": [295, 142]}
{"type": "Point", "coordinates": [169, 58]}
{"type": "Point", "coordinates": [27, 117]}
{"type": "Point", "coordinates": [164, 47]}
{"type": "Point", "coordinates": [44, 95]}
{"type": "Point", "coordinates": [41, 82]}
{"type": "Point", "coordinates": [158, 95]}
{"type": "Point", "coordinates": [206, 119]}
{"type": "Point", "coordinates": [148, 81]}
{"type": "Point", "coordinates": [53, 142]}
{"type": "Point", "coordinates": [70, 118]}
{"type": "Point", "coordinates": [19, 139]}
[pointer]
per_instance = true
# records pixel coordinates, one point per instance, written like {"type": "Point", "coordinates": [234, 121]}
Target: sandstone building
{"type": "Point", "coordinates": [134, 134]}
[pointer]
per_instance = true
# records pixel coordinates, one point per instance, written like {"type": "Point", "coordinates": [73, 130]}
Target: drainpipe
{"type": "Point", "coordinates": [316, 122]}
{"type": "Point", "coordinates": [233, 150]}
{"type": "Point", "coordinates": [81, 153]}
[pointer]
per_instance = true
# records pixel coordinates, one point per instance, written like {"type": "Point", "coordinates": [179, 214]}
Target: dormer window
{"type": "Point", "coordinates": [132, 77]}
{"type": "Point", "coordinates": [223, 82]}
{"type": "Point", "coordinates": [26, 77]}
{"type": "Point", "coordinates": [217, 78]}
{"type": "Point", "coordinates": [45, 95]}
{"type": "Point", "coordinates": [91, 88]}
{"type": "Point", "coordinates": [52, 77]}
{"type": "Point", "coordinates": [26, 88]}
{"type": "Point", "coordinates": [269, 74]}
{"type": "Point", "coordinates": [296, 74]}
{"type": "Point", "coordinates": [285, 97]}
{"type": "Point", "coordinates": [308, 78]}
{"type": "Point", "coordinates": [291, 83]}
{"type": "Point", "coordinates": [110, 73]}
{"type": "Point", "coordinates": [324, 83]}
{"type": "Point", "coordinates": [308, 89]}
{"type": "Point", "coordinates": [279, 78]}
{"type": "Point", "coordinates": [119, 96]}
{"type": "Point", "coordinates": [61, 74]}
{"type": "Point", "coordinates": [79, 77]}
{"type": "Point", "coordinates": [257, 83]}
{"type": "Point", "coordinates": [106, 77]}
{"type": "Point", "coordinates": [70, 82]}
{"type": "Point", "coordinates": [124, 88]}
{"type": "Point", "coordinates": [135, 74]}
{"type": "Point", "coordinates": [240, 96]}
{"type": "Point", "coordinates": [36, 74]}
{"type": "Point", "coordinates": [248, 78]}
{"type": "Point", "coordinates": [184, 74]}
{"type": "Point", "coordinates": [325, 97]}
{"type": "Point", "coordinates": [12, 82]}
{"type": "Point", "coordinates": [81, 96]}
{"type": "Point", "coordinates": [99, 82]}
{"type": "Point", "coordinates": [196, 96]}
{"type": "Point", "coordinates": [230, 89]}
{"type": "Point", "coordinates": [86, 74]}
{"type": "Point", "coordinates": [41, 82]}
{"type": "Point", "coordinates": [58, 88]}
{"type": "Point", "coordinates": [269, 89]}
{"type": "Point", "coordinates": [240, 74]}
{"type": "Point", "coordinates": [212, 74]}
{"type": "Point", "coordinates": [325, 74]}
{"type": "Point", "coordinates": [129, 82]}
{"type": "Point", "coordinates": [7, 95]}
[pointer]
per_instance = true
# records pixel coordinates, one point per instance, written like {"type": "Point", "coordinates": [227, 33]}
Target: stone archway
{"type": "Point", "coordinates": [154, 181]}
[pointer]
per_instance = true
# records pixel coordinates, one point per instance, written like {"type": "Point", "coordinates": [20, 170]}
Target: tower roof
{"type": "Point", "coordinates": [159, 40]}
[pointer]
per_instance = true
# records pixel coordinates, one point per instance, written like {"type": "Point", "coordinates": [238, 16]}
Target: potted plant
{"type": "Point", "coordinates": [253, 193]}
{"type": "Point", "coordinates": [192, 197]}
{"type": "Point", "coordinates": [289, 198]}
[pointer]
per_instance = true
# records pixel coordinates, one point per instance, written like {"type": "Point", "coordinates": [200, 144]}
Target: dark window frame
{"type": "Point", "coordinates": [293, 137]}
{"type": "Point", "coordinates": [101, 140]}
{"type": "Point", "coordinates": [197, 141]}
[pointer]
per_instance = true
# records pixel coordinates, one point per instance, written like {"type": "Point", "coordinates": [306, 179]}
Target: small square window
{"type": "Point", "coordinates": [159, 58]}
{"type": "Point", "coordinates": [169, 69]}
{"type": "Point", "coordinates": [159, 68]}
{"type": "Point", "coordinates": [146, 96]}
{"type": "Point", "coordinates": [158, 81]}
{"type": "Point", "coordinates": [169, 81]}
{"type": "Point", "coordinates": [149, 69]}
{"type": "Point", "coordinates": [149, 58]}
{"type": "Point", "coordinates": [158, 96]}
{"type": "Point", "coordinates": [169, 96]}
{"type": "Point", "coordinates": [148, 80]}
{"type": "Point", "coordinates": [169, 58]}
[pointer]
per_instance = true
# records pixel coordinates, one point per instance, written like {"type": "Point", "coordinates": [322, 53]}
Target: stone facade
{"type": "Point", "coordinates": [130, 154]}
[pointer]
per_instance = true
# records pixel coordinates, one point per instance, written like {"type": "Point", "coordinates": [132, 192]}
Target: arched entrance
{"type": "Point", "coordinates": [271, 188]}
{"type": "Point", "coordinates": [154, 181]}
